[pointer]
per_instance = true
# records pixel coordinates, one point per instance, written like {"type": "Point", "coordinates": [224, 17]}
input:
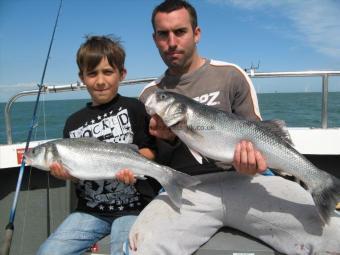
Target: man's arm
{"type": "Point", "coordinates": [247, 159]}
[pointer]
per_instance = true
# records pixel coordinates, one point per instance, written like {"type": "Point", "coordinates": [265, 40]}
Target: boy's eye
{"type": "Point", "coordinates": [108, 72]}
{"type": "Point", "coordinates": [91, 74]}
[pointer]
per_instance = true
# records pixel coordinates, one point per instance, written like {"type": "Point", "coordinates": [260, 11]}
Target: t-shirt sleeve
{"type": "Point", "coordinates": [142, 137]}
{"type": "Point", "coordinates": [66, 129]}
{"type": "Point", "coordinates": [244, 104]}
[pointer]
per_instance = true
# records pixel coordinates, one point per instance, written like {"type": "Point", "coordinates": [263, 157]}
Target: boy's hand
{"type": "Point", "coordinates": [247, 160]}
{"type": "Point", "coordinates": [126, 176]}
{"type": "Point", "coordinates": [59, 172]}
{"type": "Point", "coordinates": [158, 129]}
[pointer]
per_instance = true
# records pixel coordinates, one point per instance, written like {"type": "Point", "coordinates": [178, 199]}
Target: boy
{"type": "Point", "coordinates": [106, 206]}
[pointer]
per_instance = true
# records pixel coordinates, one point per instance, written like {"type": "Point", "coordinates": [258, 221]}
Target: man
{"type": "Point", "coordinates": [275, 210]}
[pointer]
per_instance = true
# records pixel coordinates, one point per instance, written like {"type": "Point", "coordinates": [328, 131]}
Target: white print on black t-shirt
{"type": "Point", "coordinates": [107, 127]}
{"type": "Point", "coordinates": [108, 195]}
{"type": "Point", "coordinates": [208, 99]}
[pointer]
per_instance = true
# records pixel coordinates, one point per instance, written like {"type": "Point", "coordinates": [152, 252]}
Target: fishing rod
{"type": "Point", "coordinates": [10, 226]}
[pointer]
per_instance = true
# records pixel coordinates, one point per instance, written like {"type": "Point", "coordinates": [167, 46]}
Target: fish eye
{"type": "Point", "coordinates": [162, 96]}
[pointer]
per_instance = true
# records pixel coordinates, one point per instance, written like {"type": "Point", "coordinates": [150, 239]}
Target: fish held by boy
{"type": "Point", "coordinates": [214, 134]}
{"type": "Point", "coordinates": [91, 159]}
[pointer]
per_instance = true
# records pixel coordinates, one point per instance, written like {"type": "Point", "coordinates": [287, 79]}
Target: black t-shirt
{"type": "Point", "coordinates": [123, 120]}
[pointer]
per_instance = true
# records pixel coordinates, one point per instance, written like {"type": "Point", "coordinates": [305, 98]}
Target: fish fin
{"type": "Point", "coordinates": [67, 168]}
{"type": "Point", "coordinates": [140, 177]}
{"type": "Point", "coordinates": [196, 155]}
{"type": "Point", "coordinates": [87, 139]}
{"type": "Point", "coordinates": [278, 127]}
{"type": "Point", "coordinates": [175, 185]}
{"type": "Point", "coordinates": [223, 165]}
{"type": "Point", "coordinates": [132, 146]}
{"type": "Point", "coordinates": [174, 193]}
{"type": "Point", "coordinates": [326, 197]}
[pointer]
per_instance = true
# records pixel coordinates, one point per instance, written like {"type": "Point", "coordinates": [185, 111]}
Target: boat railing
{"type": "Point", "coordinates": [251, 73]}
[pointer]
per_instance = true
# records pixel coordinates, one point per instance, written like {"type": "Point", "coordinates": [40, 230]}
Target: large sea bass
{"type": "Point", "coordinates": [214, 134]}
{"type": "Point", "coordinates": [91, 159]}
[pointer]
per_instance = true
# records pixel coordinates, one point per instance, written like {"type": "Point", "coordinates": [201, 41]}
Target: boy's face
{"type": "Point", "coordinates": [102, 82]}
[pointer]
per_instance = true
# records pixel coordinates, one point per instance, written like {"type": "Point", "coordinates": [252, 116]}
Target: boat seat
{"type": "Point", "coordinates": [226, 241]}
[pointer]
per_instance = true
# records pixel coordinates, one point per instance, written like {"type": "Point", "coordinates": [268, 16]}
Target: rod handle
{"type": "Point", "coordinates": [6, 246]}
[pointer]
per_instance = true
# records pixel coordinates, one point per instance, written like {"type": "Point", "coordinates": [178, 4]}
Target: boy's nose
{"type": "Point", "coordinates": [100, 80]}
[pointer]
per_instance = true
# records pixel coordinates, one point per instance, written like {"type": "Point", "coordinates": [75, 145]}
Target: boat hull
{"type": "Point", "coordinates": [32, 223]}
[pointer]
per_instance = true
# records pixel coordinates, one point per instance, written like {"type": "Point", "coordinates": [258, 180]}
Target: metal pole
{"type": "Point", "coordinates": [10, 226]}
{"type": "Point", "coordinates": [324, 112]}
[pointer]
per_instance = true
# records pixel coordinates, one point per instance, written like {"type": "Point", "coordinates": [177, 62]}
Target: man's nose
{"type": "Point", "coordinates": [172, 40]}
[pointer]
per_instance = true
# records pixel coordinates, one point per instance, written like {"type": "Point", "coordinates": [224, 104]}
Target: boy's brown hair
{"type": "Point", "coordinates": [95, 48]}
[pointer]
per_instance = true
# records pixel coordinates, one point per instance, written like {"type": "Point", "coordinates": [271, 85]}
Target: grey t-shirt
{"type": "Point", "coordinates": [218, 84]}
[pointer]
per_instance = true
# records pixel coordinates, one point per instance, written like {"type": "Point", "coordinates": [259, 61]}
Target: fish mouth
{"type": "Point", "coordinates": [27, 159]}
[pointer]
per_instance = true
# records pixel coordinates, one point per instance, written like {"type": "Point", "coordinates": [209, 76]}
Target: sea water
{"type": "Point", "coordinates": [296, 109]}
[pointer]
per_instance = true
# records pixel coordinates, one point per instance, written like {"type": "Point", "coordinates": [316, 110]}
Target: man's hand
{"type": "Point", "coordinates": [158, 129]}
{"type": "Point", "coordinates": [126, 176]}
{"type": "Point", "coordinates": [247, 160]}
{"type": "Point", "coordinates": [59, 172]}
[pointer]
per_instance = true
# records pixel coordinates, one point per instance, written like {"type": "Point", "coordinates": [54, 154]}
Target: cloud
{"type": "Point", "coordinates": [316, 23]}
{"type": "Point", "coordinates": [7, 91]}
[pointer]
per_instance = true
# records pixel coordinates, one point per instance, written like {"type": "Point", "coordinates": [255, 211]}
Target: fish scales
{"type": "Point", "coordinates": [214, 134]}
{"type": "Point", "coordinates": [91, 159]}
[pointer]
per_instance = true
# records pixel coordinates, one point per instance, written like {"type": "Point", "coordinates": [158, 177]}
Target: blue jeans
{"type": "Point", "coordinates": [79, 231]}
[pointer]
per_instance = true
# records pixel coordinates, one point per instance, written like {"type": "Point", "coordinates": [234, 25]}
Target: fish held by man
{"type": "Point", "coordinates": [214, 134]}
{"type": "Point", "coordinates": [91, 159]}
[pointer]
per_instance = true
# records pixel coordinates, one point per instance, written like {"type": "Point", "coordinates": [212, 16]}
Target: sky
{"type": "Point", "coordinates": [279, 35]}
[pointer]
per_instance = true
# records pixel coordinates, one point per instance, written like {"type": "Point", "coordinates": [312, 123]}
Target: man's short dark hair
{"type": "Point", "coordinates": [172, 5]}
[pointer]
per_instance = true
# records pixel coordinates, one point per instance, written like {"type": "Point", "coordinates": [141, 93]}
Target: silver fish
{"type": "Point", "coordinates": [91, 159]}
{"type": "Point", "coordinates": [214, 134]}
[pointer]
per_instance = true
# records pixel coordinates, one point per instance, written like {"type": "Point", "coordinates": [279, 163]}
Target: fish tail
{"type": "Point", "coordinates": [174, 193]}
{"type": "Point", "coordinates": [175, 185]}
{"type": "Point", "coordinates": [325, 198]}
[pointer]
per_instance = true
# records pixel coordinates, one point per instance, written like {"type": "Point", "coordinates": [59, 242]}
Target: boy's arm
{"type": "Point", "coordinates": [59, 172]}
{"type": "Point", "coordinates": [148, 153]}
{"type": "Point", "coordinates": [126, 175]}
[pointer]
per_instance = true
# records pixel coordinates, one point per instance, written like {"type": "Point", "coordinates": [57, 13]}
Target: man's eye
{"type": "Point", "coordinates": [162, 34]}
{"type": "Point", "coordinates": [180, 32]}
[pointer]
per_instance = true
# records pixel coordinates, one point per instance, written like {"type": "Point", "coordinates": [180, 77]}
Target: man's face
{"type": "Point", "coordinates": [175, 39]}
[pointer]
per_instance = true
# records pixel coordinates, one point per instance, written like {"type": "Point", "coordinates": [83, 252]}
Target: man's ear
{"type": "Point", "coordinates": [197, 34]}
{"type": "Point", "coordinates": [123, 74]}
{"type": "Point", "coordinates": [154, 37]}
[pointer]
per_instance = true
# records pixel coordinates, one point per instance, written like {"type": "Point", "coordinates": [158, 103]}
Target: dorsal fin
{"type": "Point", "coordinates": [133, 147]}
{"type": "Point", "coordinates": [278, 127]}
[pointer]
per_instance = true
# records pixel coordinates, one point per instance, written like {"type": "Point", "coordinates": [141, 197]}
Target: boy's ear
{"type": "Point", "coordinates": [123, 74]}
{"type": "Point", "coordinates": [81, 77]}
